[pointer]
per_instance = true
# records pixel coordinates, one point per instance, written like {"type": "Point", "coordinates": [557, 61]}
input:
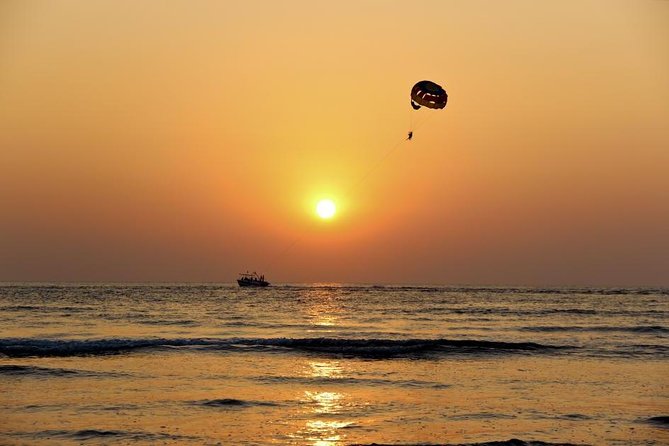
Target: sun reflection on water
{"type": "Point", "coordinates": [325, 369]}
{"type": "Point", "coordinates": [322, 307]}
{"type": "Point", "coordinates": [324, 408]}
{"type": "Point", "coordinates": [325, 405]}
{"type": "Point", "coordinates": [325, 320]}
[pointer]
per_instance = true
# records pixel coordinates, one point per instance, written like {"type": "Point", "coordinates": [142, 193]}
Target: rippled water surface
{"type": "Point", "coordinates": [331, 365]}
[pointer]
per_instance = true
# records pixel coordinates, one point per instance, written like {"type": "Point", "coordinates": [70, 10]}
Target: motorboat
{"type": "Point", "coordinates": [252, 280]}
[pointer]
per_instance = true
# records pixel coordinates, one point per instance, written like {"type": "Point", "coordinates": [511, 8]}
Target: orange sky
{"type": "Point", "coordinates": [188, 141]}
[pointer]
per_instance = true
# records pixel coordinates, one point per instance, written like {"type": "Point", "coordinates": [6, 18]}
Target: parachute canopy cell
{"type": "Point", "coordinates": [428, 94]}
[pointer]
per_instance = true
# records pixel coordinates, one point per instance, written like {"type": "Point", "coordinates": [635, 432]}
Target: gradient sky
{"type": "Point", "coordinates": [189, 141]}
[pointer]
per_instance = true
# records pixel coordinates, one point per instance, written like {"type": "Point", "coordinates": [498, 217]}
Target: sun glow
{"type": "Point", "coordinates": [326, 209]}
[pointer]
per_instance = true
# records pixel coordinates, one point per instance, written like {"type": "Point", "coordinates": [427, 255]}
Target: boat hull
{"type": "Point", "coordinates": [252, 283]}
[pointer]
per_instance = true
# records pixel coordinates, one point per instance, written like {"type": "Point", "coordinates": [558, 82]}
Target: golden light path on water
{"type": "Point", "coordinates": [322, 308]}
{"type": "Point", "coordinates": [321, 431]}
{"type": "Point", "coordinates": [320, 406]}
{"type": "Point", "coordinates": [323, 405]}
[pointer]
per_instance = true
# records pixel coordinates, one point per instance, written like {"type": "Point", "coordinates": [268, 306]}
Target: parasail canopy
{"type": "Point", "coordinates": [428, 94]}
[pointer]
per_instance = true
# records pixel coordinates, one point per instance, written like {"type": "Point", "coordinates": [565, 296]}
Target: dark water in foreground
{"type": "Point", "coordinates": [332, 365]}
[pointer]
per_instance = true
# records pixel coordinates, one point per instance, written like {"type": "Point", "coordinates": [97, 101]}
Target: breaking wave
{"type": "Point", "coordinates": [368, 348]}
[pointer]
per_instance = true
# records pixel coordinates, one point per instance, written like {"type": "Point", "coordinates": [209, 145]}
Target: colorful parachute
{"type": "Point", "coordinates": [428, 94]}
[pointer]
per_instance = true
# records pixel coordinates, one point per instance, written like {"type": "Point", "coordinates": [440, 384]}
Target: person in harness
{"type": "Point", "coordinates": [409, 136]}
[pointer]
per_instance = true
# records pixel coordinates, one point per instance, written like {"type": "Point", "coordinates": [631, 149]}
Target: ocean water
{"type": "Point", "coordinates": [332, 364]}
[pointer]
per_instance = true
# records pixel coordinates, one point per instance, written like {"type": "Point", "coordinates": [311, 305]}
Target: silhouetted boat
{"type": "Point", "coordinates": [251, 279]}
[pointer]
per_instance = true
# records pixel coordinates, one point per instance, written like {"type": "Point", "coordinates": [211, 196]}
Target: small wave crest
{"type": "Point", "coordinates": [634, 329]}
{"type": "Point", "coordinates": [662, 421]}
{"type": "Point", "coordinates": [324, 380]}
{"type": "Point", "coordinates": [232, 403]}
{"type": "Point", "coordinates": [473, 289]}
{"type": "Point", "coordinates": [180, 323]}
{"type": "Point", "coordinates": [29, 370]}
{"type": "Point", "coordinates": [512, 442]}
{"type": "Point", "coordinates": [371, 348]}
{"type": "Point", "coordinates": [104, 435]}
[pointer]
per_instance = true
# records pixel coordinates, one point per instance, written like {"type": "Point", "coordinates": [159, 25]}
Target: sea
{"type": "Point", "coordinates": [332, 364]}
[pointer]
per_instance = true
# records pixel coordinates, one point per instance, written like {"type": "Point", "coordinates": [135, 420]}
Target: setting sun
{"type": "Point", "coordinates": [326, 208]}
